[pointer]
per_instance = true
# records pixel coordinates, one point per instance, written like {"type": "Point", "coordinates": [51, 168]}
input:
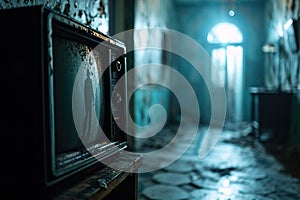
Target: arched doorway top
{"type": "Point", "coordinates": [224, 33]}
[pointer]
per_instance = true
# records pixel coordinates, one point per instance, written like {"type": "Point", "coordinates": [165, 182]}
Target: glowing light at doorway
{"type": "Point", "coordinates": [229, 34]}
{"type": "Point", "coordinates": [228, 58]}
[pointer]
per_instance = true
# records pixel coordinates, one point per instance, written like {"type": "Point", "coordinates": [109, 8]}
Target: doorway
{"type": "Point", "coordinates": [226, 51]}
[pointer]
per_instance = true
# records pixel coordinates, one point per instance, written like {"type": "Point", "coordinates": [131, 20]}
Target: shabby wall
{"type": "Point", "coordinates": [93, 13]}
{"type": "Point", "coordinates": [282, 67]}
{"type": "Point", "coordinates": [151, 14]}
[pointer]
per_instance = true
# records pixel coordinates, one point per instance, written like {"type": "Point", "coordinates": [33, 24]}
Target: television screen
{"type": "Point", "coordinates": [71, 59]}
{"type": "Point", "coordinates": [80, 88]}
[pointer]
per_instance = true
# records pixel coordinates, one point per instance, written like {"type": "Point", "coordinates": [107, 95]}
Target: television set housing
{"type": "Point", "coordinates": [44, 69]}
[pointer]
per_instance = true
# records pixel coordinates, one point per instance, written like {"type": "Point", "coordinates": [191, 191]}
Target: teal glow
{"type": "Point", "coordinates": [224, 33]}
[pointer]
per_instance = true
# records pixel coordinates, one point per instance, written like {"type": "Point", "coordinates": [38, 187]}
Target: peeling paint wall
{"type": "Point", "coordinates": [158, 14]}
{"type": "Point", "coordinates": [93, 13]}
{"type": "Point", "coordinates": [282, 65]}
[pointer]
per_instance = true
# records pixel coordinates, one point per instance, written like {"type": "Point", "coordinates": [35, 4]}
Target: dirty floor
{"type": "Point", "coordinates": [240, 166]}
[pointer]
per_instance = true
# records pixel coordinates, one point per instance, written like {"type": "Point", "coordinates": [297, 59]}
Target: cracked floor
{"type": "Point", "coordinates": [239, 167]}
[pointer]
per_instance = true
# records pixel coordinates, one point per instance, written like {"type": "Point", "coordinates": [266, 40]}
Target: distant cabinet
{"type": "Point", "coordinates": [271, 111]}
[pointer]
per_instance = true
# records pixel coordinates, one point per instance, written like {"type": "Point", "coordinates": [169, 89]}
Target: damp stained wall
{"type": "Point", "coordinates": [281, 66]}
{"type": "Point", "coordinates": [151, 14]}
{"type": "Point", "coordinates": [93, 13]}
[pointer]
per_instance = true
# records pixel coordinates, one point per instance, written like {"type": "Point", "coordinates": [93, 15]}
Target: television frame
{"type": "Point", "coordinates": [32, 66]}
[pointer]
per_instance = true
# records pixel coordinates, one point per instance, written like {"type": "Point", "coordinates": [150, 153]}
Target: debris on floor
{"type": "Point", "coordinates": [239, 167]}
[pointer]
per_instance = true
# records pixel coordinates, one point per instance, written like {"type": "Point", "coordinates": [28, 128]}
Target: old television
{"type": "Point", "coordinates": [58, 93]}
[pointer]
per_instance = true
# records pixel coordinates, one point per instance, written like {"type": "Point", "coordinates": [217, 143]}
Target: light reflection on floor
{"type": "Point", "coordinates": [238, 168]}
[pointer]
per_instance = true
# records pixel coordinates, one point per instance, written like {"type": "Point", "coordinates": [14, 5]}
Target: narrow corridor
{"type": "Point", "coordinates": [239, 167]}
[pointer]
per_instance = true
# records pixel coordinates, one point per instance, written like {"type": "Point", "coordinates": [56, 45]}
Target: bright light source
{"type": "Point", "coordinates": [269, 48]}
{"type": "Point", "coordinates": [288, 24]}
{"type": "Point", "coordinates": [279, 30]}
{"type": "Point", "coordinates": [231, 13]}
{"type": "Point", "coordinates": [224, 33]}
